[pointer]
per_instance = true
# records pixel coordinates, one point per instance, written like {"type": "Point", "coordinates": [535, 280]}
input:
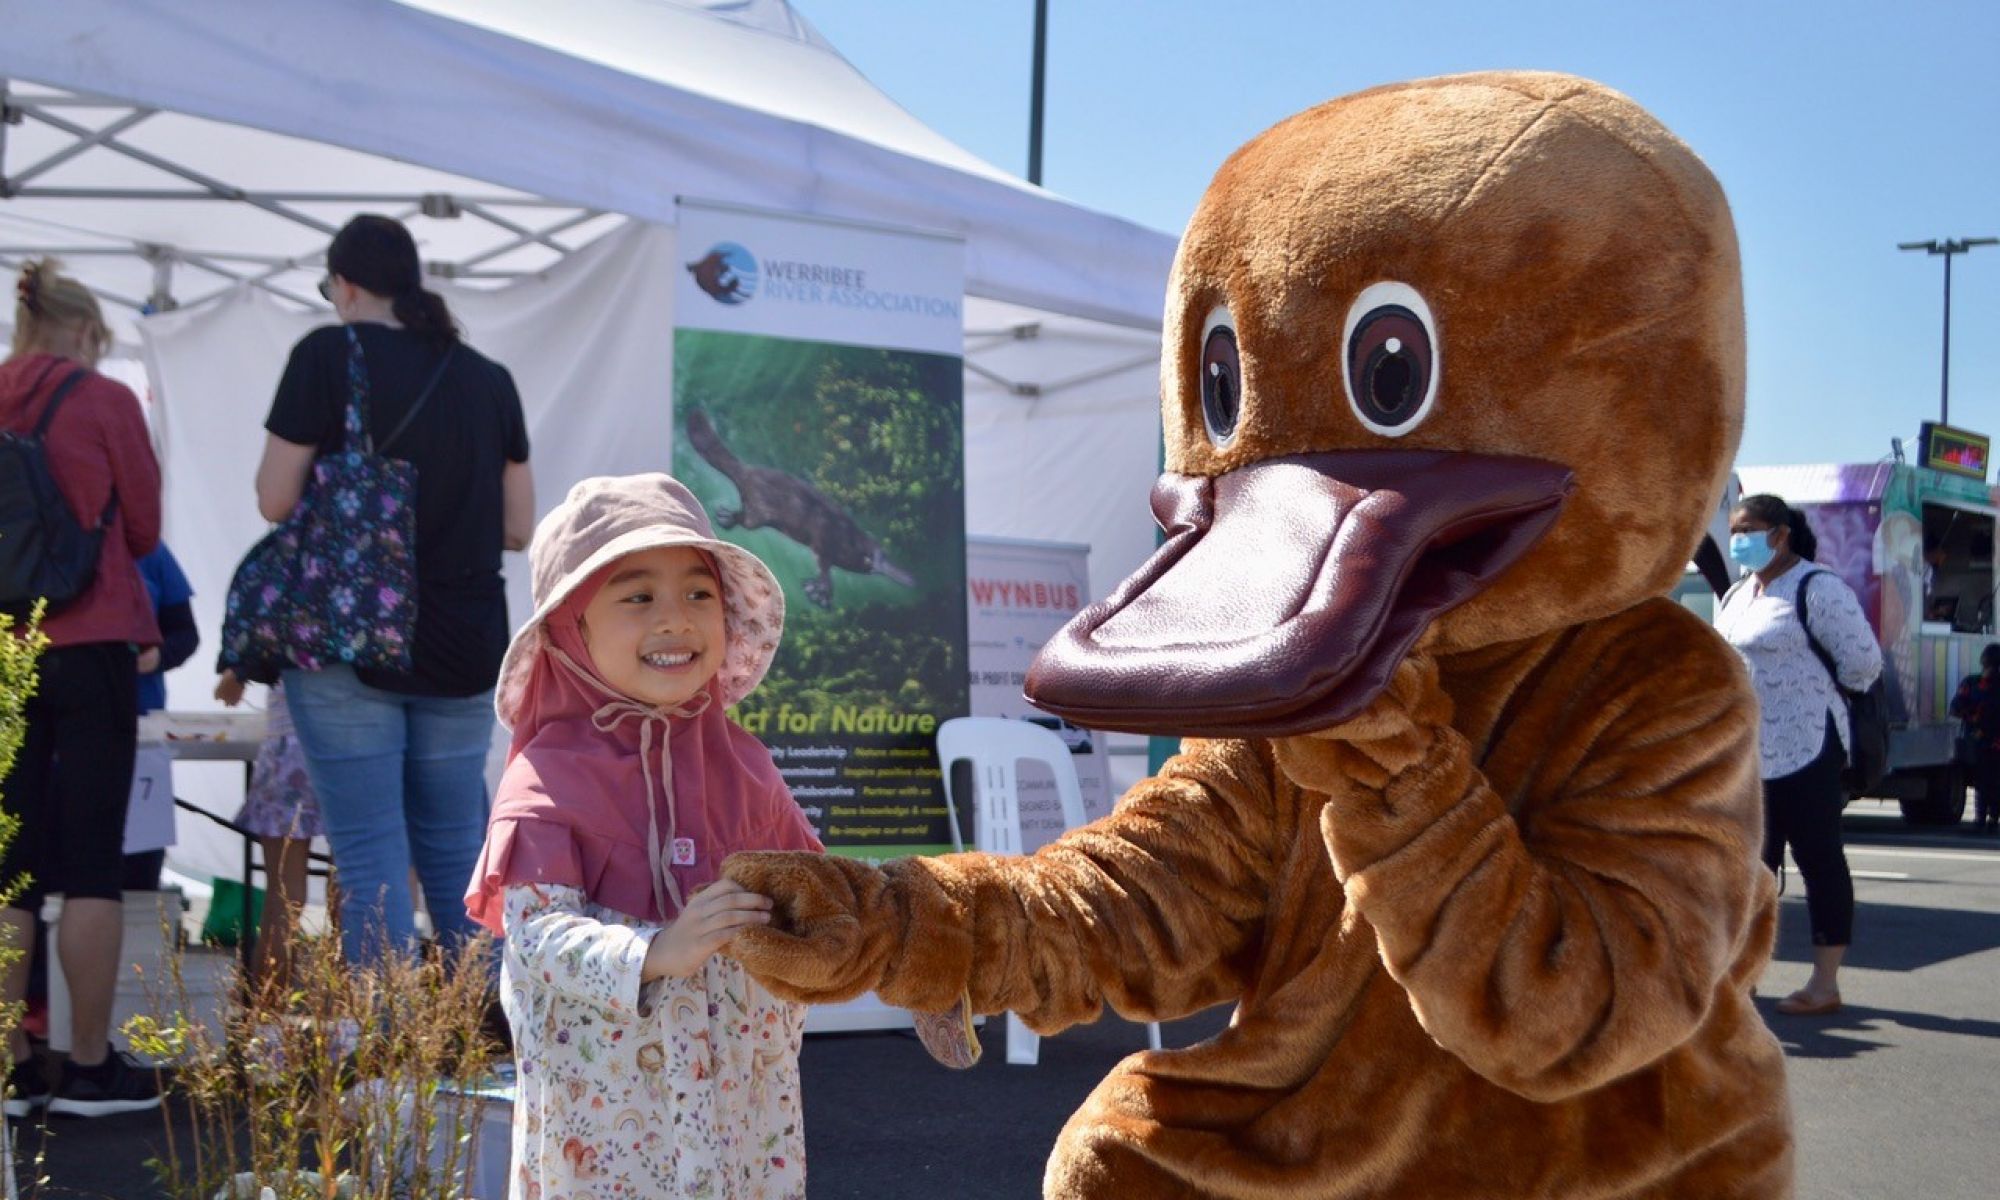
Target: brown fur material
{"type": "Point", "coordinates": [1495, 936]}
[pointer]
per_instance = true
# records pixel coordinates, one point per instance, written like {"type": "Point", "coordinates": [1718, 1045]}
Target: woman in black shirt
{"type": "Point", "coordinates": [398, 759]}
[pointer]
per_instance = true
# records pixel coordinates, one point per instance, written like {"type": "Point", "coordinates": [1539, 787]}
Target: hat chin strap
{"type": "Point", "coordinates": [615, 711]}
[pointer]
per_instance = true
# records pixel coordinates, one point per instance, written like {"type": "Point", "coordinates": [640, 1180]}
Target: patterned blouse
{"type": "Point", "coordinates": [678, 1088]}
{"type": "Point", "coordinates": [1793, 688]}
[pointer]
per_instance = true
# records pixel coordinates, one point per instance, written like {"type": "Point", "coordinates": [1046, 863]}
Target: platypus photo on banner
{"type": "Point", "coordinates": [712, 274]}
{"type": "Point", "coordinates": [782, 501]}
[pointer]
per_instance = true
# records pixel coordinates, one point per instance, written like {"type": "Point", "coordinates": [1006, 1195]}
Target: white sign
{"type": "Point", "coordinates": [149, 816]}
{"type": "Point", "coordinates": [1018, 594]}
{"type": "Point", "coordinates": [815, 280]}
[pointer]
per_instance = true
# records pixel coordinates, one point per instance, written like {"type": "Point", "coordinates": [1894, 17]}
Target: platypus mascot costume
{"type": "Point", "coordinates": [1466, 823]}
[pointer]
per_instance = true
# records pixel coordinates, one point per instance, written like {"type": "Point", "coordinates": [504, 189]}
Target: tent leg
{"type": "Point", "coordinates": [161, 298]}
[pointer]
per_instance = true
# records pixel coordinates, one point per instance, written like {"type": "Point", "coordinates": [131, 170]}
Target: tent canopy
{"type": "Point", "coordinates": [248, 130]}
{"type": "Point", "coordinates": [173, 153]}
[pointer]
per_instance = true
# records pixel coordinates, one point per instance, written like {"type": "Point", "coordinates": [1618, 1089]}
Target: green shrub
{"type": "Point", "coordinates": [18, 655]}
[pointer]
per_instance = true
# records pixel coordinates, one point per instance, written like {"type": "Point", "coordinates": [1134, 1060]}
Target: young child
{"type": "Point", "coordinates": [280, 808]}
{"type": "Point", "coordinates": [648, 1064]}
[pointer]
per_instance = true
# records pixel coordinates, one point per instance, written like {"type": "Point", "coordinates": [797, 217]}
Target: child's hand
{"type": "Point", "coordinates": [229, 689]}
{"type": "Point", "coordinates": [149, 660]}
{"type": "Point", "coordinates": [714, 915]}
{"type": "Point", "coordinates": [834, 930]}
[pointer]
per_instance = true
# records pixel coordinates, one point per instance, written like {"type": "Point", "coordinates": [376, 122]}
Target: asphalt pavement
{"type": "Point", "coordinates": [1896, 1096]}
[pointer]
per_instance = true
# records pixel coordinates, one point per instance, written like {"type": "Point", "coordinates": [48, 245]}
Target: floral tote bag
{"type": "Point", "coordinates": [335, 582]}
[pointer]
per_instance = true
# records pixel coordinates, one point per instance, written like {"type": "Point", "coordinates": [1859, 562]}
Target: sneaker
{"type": "Point", "coordinates": [116, 1085]}
{"type": "Point", "coordinates": [27, 1089]}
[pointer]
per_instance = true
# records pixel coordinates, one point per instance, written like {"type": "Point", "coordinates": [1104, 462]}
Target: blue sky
{"type": "Point", "coordinates": [1838, 129]}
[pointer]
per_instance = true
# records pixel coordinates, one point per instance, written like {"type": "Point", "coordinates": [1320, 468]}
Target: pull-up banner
{"type": "Point", "coordinates": [1019, 595]}
{"type": "Point", "coordinates": [818, 416]}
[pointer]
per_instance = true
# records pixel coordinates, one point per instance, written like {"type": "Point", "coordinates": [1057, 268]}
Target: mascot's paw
{"type": "Point", "coordinates": [1392, 734]}
{"type": "Point", "coordinates": [816, 950]}
{"type": "Point", "coordinates": [820, 592]}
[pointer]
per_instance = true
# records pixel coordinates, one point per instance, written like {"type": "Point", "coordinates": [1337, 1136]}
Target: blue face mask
{"type": "Point", "coordinates": [1752, 550]}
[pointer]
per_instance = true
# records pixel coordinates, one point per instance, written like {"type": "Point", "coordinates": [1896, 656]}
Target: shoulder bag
{"type": "Point", "coordinates": [335, 582]}
{"type": "Point", "coordinates": [1867, 711]}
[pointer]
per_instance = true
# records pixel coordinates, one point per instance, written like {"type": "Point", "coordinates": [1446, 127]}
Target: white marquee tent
{"type": "Point", "coordinates": [190, 160]}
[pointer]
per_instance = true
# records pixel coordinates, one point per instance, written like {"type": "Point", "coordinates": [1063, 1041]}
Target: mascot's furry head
{"type": "Point", "coordinates": [1458, 360]}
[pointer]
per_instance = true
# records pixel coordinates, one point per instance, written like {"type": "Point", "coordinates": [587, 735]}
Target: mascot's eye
{"type": "Point", "coordinates": [1391, 365]}
{"type": "Point", "coordinates": [1221, 377]}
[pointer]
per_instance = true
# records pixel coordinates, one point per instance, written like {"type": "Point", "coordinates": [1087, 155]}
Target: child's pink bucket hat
{"type": "Point", "coordinates": [603, 519]}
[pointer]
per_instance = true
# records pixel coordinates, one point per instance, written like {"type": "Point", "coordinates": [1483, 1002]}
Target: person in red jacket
{"type": "Point", "coordinates": [71, 781]}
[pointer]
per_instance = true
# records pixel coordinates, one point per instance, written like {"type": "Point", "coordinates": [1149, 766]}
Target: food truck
{"type": "Point", "coordinates": [1915, 542]}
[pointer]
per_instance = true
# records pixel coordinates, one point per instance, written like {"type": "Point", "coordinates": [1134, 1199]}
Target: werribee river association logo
{"type": "Point", "coordinates": [732, 275]}
{"type": "Point", "coordinates": [728, 273]}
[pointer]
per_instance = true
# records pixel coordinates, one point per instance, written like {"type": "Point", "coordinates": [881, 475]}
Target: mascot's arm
{"type": "Point", "coordinates": [1153, 909]}
{"type": "Point", "coordinates": [1586, 939]}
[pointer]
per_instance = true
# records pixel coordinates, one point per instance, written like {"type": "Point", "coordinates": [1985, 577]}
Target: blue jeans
{"type": "Point", "coordinates": [401, 781]}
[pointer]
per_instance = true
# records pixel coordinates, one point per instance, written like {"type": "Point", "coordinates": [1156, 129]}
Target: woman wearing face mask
{"type": "Point", "coordinates": [1804, 734]}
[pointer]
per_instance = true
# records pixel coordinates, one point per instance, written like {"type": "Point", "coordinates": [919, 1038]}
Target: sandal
{"type": "Point", "coordinates": [1799, 1004]}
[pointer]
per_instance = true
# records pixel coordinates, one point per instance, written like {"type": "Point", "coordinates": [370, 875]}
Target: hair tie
{"type": "Point", "coordinates": [29, 288]}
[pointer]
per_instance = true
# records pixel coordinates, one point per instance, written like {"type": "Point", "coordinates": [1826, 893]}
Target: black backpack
{"type": "Point", "coordinates": [45, 553]}
{"type": "Point", "coordinates": [1867, 712]}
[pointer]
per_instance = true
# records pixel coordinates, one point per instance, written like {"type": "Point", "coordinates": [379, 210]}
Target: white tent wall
{"type": "Point", "coordinates": [590, 347]}
{"type": "Point", "coordinates": [1074, 462]}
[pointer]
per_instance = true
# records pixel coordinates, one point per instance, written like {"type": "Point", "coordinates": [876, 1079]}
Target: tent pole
{"type": "Point", "coordinates": [236, 195]}
{"type": "Point", "coordinates": [82, 143]}
{"type": "Point", "coordinates": [1035, 97]}
{"type": "Point", "coordinates": [589, 214]}
{"type": "Point", "coordinates": [513, 227]}
{"type": "Point", "coordinates": [161, 298]}
{"type": "Point", "coordinates": [200, 180]}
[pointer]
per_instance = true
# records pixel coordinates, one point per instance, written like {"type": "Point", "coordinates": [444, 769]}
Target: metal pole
{"type": "Point", "coordinates": [3, 136]}
{"type": "Point", "coordinates": [1945, 248]}
{"type": "Point", "coordinates": [1035, 97]}
{"type": "Point", "coordinates": [1944, 386]}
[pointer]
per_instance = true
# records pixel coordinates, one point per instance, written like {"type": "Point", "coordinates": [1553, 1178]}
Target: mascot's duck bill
{"type": "Point", "coordinates": [1466, 820]}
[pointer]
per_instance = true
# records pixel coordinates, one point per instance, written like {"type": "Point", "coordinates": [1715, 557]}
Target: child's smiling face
{"type": "Point", "coordinates": [655, 630]}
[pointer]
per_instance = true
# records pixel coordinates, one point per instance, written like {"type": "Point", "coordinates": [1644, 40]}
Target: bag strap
{"type": "Point", "coordinates": [63, 390]}
{"type": "Point", "coordinates": [41, 432]}
{"type": "Point", "coordinates": [1825, 659]}
{"type": "Point", "coordinates": [356, 412]}
{"type": "Point", "coordinates": [422, 398]}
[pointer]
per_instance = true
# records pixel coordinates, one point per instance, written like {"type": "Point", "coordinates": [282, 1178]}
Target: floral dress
{"type": "Point", "coordinates": [680, 1088]}
{"type": "Point", "coordinates": [279, 803]}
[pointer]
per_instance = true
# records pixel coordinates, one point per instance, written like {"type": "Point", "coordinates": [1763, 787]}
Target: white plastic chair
{"type": "Point", "coordinates": [996, 746]}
